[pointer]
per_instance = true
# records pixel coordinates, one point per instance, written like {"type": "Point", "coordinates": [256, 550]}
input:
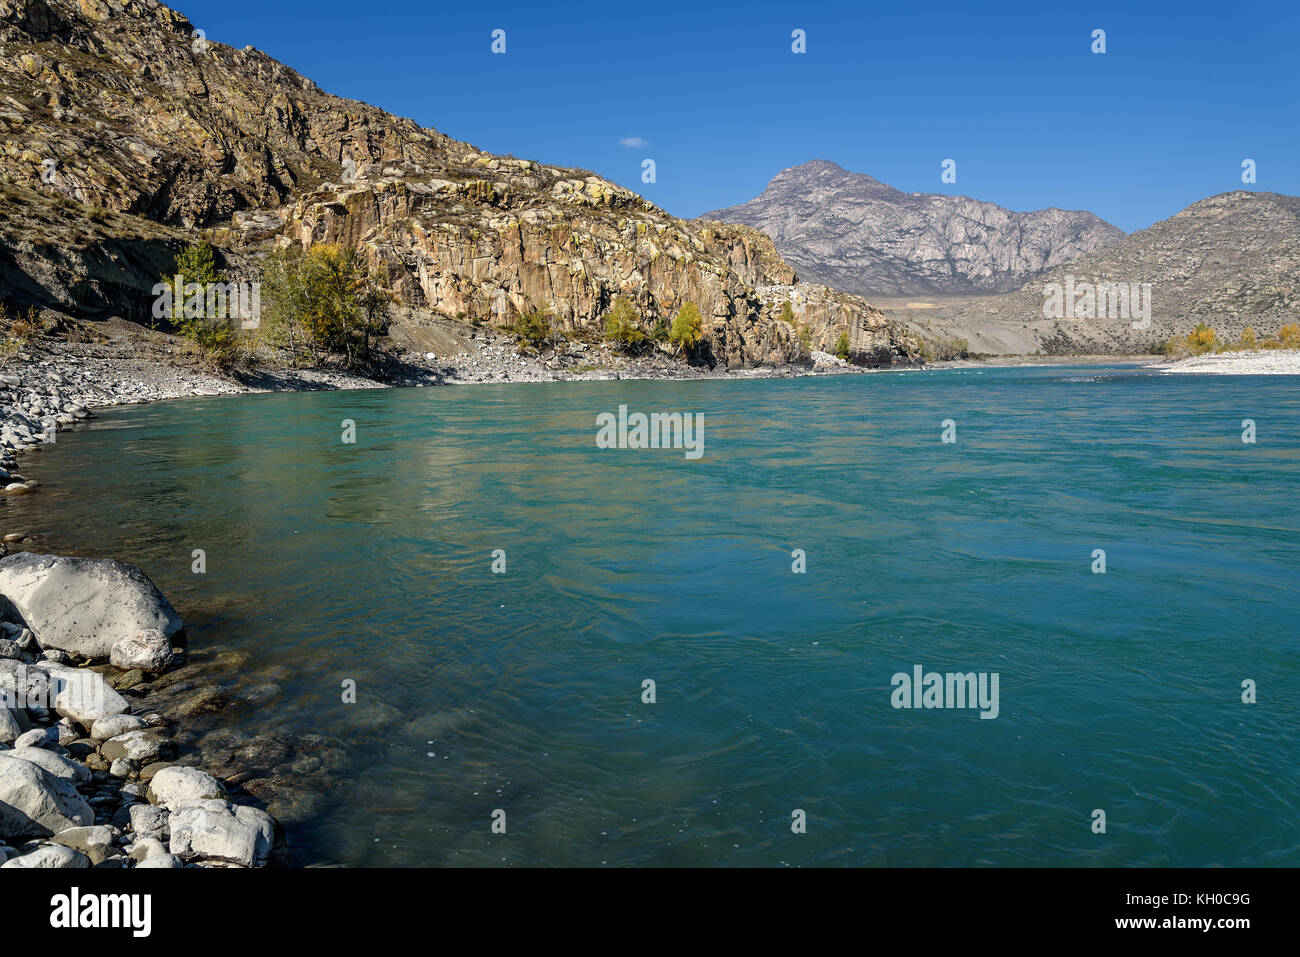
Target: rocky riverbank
{"type": "Point", "coordinates": [89, 775]}
{"type": "Point", "coordinates": [52, 383]}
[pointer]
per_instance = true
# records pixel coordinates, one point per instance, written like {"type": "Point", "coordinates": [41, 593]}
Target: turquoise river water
{"type": "Point", "coordinates": [371, 562]}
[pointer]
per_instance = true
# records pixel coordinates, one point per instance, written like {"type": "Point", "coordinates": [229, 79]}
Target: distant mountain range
{"type": "Point", "coordinates": [854, 233]}
{"type": "Point", "coordinates": [1230, 261]}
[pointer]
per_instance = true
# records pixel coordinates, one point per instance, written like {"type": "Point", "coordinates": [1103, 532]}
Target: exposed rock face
{"type": "Point", "coordinates": [152, 133]}
{"type": "Point", "coordinates": [84, 605]}
{"type": "Point", "coordinates": [852, 232]}
{"type": "Point", "coordinates": [1232, 260]}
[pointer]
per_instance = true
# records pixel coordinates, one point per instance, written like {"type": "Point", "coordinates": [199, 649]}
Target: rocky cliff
{"type": "Point", "coordinates": [852, 232]}
{"type": "Point", "coordinates": [123, 131]}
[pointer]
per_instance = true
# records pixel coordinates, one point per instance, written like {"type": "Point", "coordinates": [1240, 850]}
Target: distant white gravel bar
{"type": "Point", "coordinates": [1264, 362]}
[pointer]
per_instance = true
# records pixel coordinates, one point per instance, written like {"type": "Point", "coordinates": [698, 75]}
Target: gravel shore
{"type": "Point", "coordinates": [1263, 362]}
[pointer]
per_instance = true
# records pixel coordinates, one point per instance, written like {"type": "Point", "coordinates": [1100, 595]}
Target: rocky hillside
{"type": "Point", "coordinates": [855, 233]}
{"type": "Point", "coordinates": [1231, 261]}
{"type": "Point", "coordinates": [122, 133]}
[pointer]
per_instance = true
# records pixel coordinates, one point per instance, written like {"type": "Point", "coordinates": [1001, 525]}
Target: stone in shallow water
{"type": "Point", "coordinates": [176, 785]}
{"type": "Point", "coordinates": [116, 724]}
{"type": "Point", "coordinates": [206, 701]}
{"type": "Point", "coordinates": [149, 650]}
{"type": "Point", "coordinates": [129, 680]}
{"type": "Point", "coordinates": [215, 831]}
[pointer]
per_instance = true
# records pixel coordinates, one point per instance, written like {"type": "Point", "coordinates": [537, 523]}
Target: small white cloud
{"type": "Point", "coordinates": [633, 142]}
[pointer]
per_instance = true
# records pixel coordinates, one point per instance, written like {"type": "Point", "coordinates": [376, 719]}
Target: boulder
{"type": "Point", "coordinates": [148, 821]}
{"type": "Point", "coordinates": [54, 856]}
{"type": "Point", "coordinates": [95, 842]}
{"type": "Point", "coordinates": [84, 696]}
{"type": "Point", "coordinates": [116, 724]}
{"type": "Point", "coordinates": [35, 803]}
{"type": "Point", "coordinates": [162, 860]}
{"type": "Point", "coordinates": [84, 605]}
{"type": "Point", "coordinates": [214, 831]}
{"type": "Point", "coordinates": [63, 768]}
{"type": "Point", "coordinates": [149, 651]}
{"type": "Point", "coordinates": [143, 747]}
{"type": "Point", "coordinates": [35, 738]}
{"type": "Point", "coordinates": [176, 785]}
{"type": "Point", "coordinates": [10, 729]}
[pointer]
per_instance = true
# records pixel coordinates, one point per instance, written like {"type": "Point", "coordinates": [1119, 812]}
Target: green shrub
{"type": "Point", "coordinates": [621, 324]}
{"type": "Point", "coordinates": [533, 329]}
{"type": "Point", "coordinates": [215, 338]}
{"type": "Point", "coordinates": [688, 328]}
{"type": "Point", "coordinates": [842, 346]}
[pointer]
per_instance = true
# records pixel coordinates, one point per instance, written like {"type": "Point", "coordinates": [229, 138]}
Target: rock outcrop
{"type": "Point", "coordinates": [852, 232]}
{"type": "Point", "coordinates": [121, 131]}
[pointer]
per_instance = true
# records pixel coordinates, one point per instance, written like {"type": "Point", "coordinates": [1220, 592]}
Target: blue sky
{"type": "Point", "coordinates": [1011, 91]}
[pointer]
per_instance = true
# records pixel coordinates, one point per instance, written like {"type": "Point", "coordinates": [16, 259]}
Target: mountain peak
{"type": "Point", "coordinates": [851, 231]}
